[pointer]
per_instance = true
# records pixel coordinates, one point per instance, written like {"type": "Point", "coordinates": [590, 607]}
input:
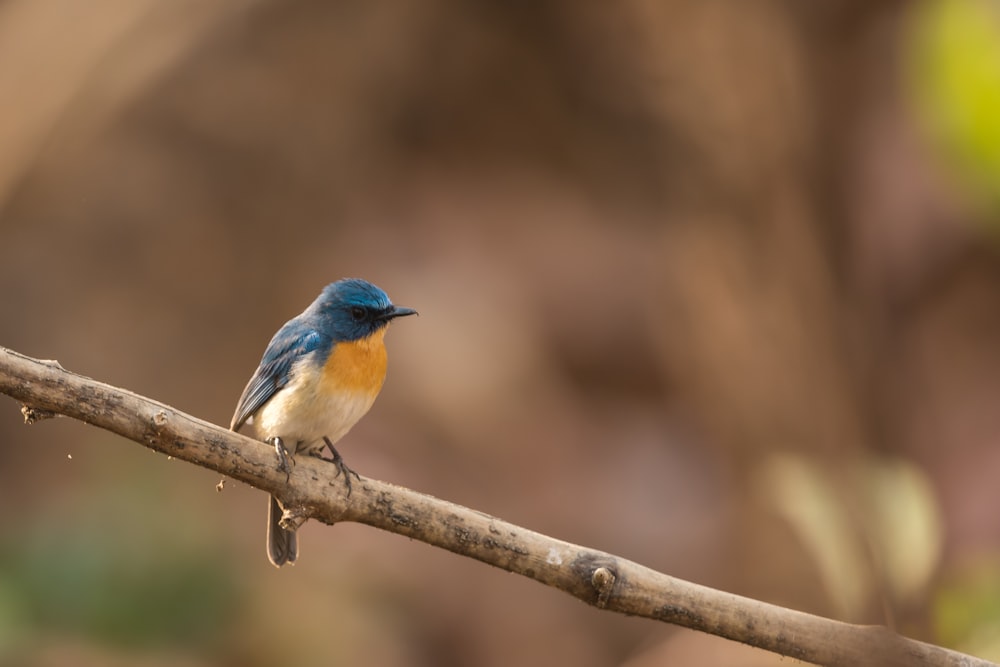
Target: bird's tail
{"type": "Point", "coordinates": [282, 545]}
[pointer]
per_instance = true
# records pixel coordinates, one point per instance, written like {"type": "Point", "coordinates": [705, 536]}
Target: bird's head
{"type": "Point", "coordinates": [352, 309]}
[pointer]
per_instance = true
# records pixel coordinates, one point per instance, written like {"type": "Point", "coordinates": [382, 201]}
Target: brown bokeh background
{"type": "Point", "coordinates": [694, 289]}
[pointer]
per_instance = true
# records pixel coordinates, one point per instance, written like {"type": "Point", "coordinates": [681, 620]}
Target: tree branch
{"type": "Point", "coordinates": [600, 579]}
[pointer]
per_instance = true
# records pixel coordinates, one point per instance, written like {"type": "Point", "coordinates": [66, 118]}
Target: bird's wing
{"type": "Point", "coordinates": [292, 342]}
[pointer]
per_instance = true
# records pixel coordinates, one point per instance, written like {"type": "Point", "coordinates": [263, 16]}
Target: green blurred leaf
{"type": "Point", "coordinates": [967, 609]}
{"type": "Point", "coordinates": [76, 573]}
{"type": "Point", "coordinates": [954, 66]}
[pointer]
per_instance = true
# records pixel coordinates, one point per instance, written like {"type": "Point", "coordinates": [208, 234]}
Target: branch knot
{"type": "Point", "coordinates": [603, 581]}
{"type": "Point", "coordinates": [32, 415]}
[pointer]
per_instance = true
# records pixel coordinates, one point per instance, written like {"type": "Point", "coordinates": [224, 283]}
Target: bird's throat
{"type": "Point", "coordinates": [357, 366]}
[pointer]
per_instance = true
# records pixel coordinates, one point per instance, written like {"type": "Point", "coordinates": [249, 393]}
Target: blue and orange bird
{"type": "Point", "coordinates": [319, 375]}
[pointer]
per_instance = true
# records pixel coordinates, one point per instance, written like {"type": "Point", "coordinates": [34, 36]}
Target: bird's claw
{"type": "Point", "coordinates": [338, 460]}
{"type": "Point", "coordinates": [282, 452]}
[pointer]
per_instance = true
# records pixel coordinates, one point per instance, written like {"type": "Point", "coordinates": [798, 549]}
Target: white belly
{"type": "Point", "coordinates": [301, 417]}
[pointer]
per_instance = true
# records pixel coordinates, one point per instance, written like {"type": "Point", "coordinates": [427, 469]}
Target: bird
{"type": "Point", "coordinates": [318, 376]}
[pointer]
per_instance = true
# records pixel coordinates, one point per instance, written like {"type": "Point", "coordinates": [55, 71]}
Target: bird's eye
{"type": "Point", "coordinates": [358, 313]}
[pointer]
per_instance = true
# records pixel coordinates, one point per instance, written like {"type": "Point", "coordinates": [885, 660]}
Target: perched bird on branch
{"type": "Point", "coordinates": [319, 375]}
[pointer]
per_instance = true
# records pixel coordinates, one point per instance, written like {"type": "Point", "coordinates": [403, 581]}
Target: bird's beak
{"type": "Point", "coordinates": [397, 311]}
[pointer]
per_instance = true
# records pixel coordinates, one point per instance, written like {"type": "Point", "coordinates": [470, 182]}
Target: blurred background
{"type": "Point", "coordinates": [713, 286]}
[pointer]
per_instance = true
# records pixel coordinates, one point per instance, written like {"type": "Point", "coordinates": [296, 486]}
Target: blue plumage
{"type": "Point", "coordinates": [293, 341]}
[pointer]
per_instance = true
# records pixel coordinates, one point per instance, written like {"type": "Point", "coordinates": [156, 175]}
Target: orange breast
{"type": "Point", "coordinates": [357, 366]}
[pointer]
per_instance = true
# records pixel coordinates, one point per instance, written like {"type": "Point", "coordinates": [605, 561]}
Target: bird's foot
{"type": "Point", "coordinates": [338, 461]}
{"type": "Point", "coordinates": [282, 452]}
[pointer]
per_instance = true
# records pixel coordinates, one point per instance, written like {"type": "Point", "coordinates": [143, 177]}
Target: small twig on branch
{"type": "Point", "coordinates": [313, 491]}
